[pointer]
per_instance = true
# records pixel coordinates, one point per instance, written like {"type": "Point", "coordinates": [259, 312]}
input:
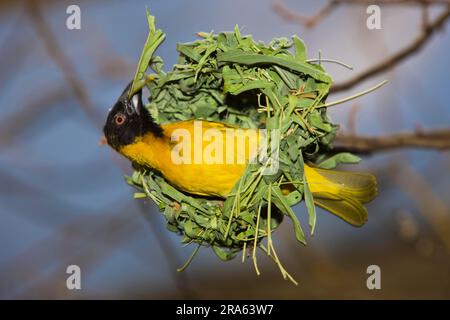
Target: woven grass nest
{"type": "Point", "coordinates": [228, 77]}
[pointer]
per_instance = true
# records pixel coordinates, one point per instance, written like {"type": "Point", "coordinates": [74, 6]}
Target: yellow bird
{"type": "Point", "coordinates": [132, 132]}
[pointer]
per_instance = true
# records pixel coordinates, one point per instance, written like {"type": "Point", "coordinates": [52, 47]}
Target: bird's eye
{"type": "Point", "coordinates": [119, 119]}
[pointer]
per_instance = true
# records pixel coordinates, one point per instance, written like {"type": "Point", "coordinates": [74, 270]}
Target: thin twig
{"type": "Point", "coordinates": [432, 207]}
{"type": "Point", "coordinates": [433, 139]}
{"type": "Point", "coordinates": [307, 22]}
{"type": "Point", "coordinates": [310, 21]}
{"type": "Point", "coordinates": [394, 2]}
{"type": "Point", "coordinates": [395, 59]}
{"type": "Point", "coordinates": [169, 253]}
{"type": "Point", "coordinates": [427, 31]}
{"type": "Point", "coordinates": [15, 124]}
{"type": "Point", "coordinates": [65, 65]}
{"type": "Point", "coordinates": [351, 123]}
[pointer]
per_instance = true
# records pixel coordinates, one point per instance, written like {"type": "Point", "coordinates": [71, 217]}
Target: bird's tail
{"type": "Point", "coordinates": [342, 193]}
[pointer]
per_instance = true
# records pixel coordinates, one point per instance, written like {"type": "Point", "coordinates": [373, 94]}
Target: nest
{"type": "Point", "coordinates": [230, 78]}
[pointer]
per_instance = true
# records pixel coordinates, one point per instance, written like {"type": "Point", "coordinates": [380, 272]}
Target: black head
{"type": "Point", "coordinates": [128, 120]}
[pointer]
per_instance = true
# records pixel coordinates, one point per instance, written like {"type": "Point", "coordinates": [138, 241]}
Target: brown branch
{"type": "Point", "coordinates": [394, 2]}
{"type": "Point", "coordinates": [425, 16]}
{"type": "Point", "coordinates": [351, 123]}
{"type": "Point", "coordinates": [395, 59]}
{"type": "Point", "coordinates": [431, 206]}
{"type": "Point", "coordinates": [307, 22]}
{"type": "Point", "coordinates": [14, 125]}
{"type": "Point", "coordinates": [427, 30]}
{"type": "Point", "coordinates": [310, 21]}
{"type": "Point", "coordinates": [433, 139]}
{"type": "Point", "coordinates": [167, 248]}
{"type": "Point", "coordinates": [57, 54]}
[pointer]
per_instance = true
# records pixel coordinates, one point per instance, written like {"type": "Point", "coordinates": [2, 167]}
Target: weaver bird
{"type": "Point", "coordinates": [132, 132]}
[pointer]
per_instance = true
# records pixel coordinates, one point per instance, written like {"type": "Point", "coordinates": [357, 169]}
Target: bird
{"type": "Point", "coordinates": [131, 131]}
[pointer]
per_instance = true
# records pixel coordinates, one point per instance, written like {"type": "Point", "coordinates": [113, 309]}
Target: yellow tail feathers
{"type": "Point", "coordinates": [342, 193]}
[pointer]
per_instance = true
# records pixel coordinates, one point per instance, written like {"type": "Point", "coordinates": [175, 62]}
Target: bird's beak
{"type": "Point", "coordinates": [136, 102]}
{"type": "Point", "coordinates": [102, 141]}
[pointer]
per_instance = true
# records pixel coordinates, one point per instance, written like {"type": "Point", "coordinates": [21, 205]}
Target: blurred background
{"type": "Point", "coordinates": [63, 199]}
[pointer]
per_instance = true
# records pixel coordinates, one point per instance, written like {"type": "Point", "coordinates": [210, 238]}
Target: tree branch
{"type": "Point", "coordinates": [307, 22]}
{"type": "Point", "coordinates": [396, 58]}
{"type": "Point", "coordinates": [393, 2]}
{"type": "Point", "coordinates": [428, 29]}
{"type": "Point", "coordinates": [430, 205]}
{"type": "Point", "coordinates": [433, 139]}
{"type": "Point", "coordinates": [324, 11]}
{"type": "Point", "coordinates": [57, 54]}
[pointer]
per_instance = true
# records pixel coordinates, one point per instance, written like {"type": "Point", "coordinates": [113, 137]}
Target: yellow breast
{"type": "Point", "coordinates": [199, 157]}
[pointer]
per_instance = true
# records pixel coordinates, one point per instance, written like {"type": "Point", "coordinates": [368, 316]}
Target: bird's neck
{"type": "Point", "coordinates": [149, 126]}
{"type": "Point", "coordinates": [148, 142]}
